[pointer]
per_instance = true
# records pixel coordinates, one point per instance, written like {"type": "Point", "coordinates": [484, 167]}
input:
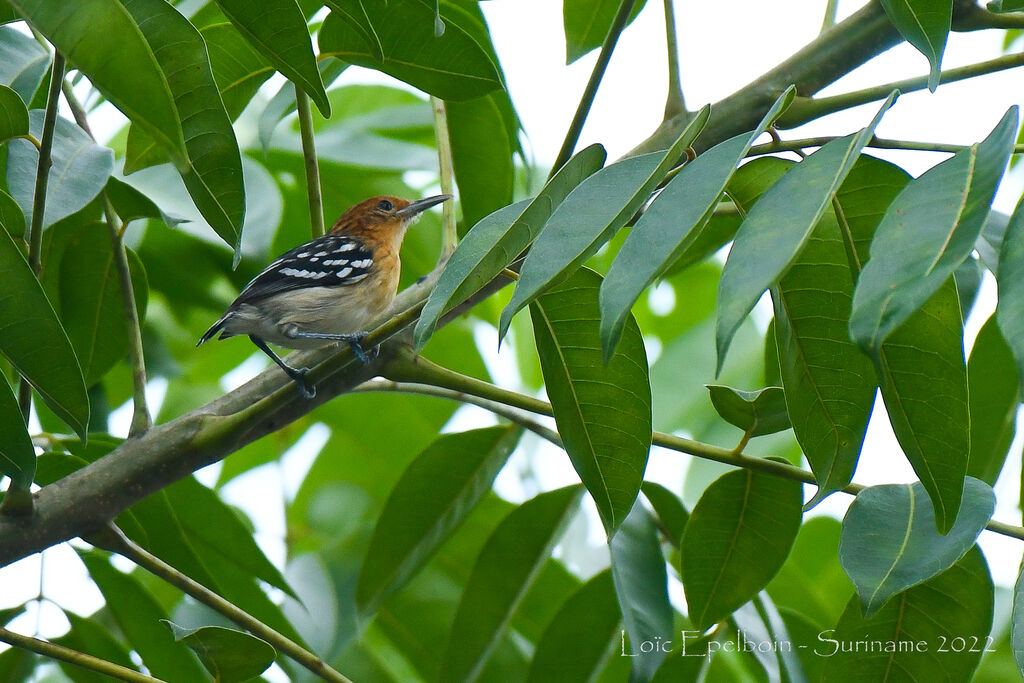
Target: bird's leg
{"type": "Point", "coordinates": [351, 339]}
{"type": "Point", "coordinates": [298, 375]}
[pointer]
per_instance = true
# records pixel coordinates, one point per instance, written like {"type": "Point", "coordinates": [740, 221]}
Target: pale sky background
{"type": "Point", "coordinates": [723, 46]}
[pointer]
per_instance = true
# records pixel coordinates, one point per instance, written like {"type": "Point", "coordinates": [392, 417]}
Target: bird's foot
{"type": "Point", "coordinates": [298, 376]}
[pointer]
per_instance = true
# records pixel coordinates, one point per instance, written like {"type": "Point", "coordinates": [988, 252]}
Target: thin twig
{"type": "Point", "coordinates": [877, 143]}
{"type": "Point", "coordinates": [675, 103]}
{"type": "Point", "coordinates": [830, 15]}
{"type": "Point", "coordinates": [313, 191]}
{"type": "Point", "coordinates": [80, 659]}
{"type": "Point", "coordinates": [449, 233]}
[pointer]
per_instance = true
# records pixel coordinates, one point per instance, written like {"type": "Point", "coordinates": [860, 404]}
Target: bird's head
{"type": "Point", "coordinates": [384, 216]}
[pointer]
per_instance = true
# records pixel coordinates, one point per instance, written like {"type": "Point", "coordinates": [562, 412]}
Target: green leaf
{"type": "Point", "coordinates": [214, 178]}
{"type": "Point", "coordinates": [451, 67]}
{"type": "Point", "coordinates": [481, 156]}
{"type": "Point", "coordinates": [830, 385]}
{"type": "Point", "coordinates": [1006, 5]}
{"type": "Point", "coordinates": [17, 665]}
{"type": "Point", "coordinates": [779, 225]}
{"type": "Point", "coordinates": [675, 223]}
{"type": "Point", "coordinates": [670, 510]}
{"type": "Point", "coordinates": [435, 494]}
{"type": "Point", "coordinates": [993, 387]}
{"type": "Point", "coordinates": [283, 102]}
{"type": "Point", "coordinates": [11, 218]}
{"type": "Point", "coordinates": [278, 30]}
{"type": "Point", "coordinates": [238, 68]}
{"type": "Point", "coordinates": [933, 632]}
{"type": "Point", "coordinates": [603, 412]}
{"type": "Point", "coordinates": [922, 239]}
{"type": "Point", "coordinates": [138, 616]}
{"type": "Point", "coordinates": [587, 22]}
{"type": "Point", "coordinates": [91, 637]}
{"type": "Point", "coordinates": [493, 243]}
{"type": "Point", "coordinates": [17, 456]}
{"type": "Point", "coordinates": [229, 655]}
{"type": "Point", "coordinates": [78, 172]}
{"type": "Point", "coordinates": [504, 570]}
{"type": "Point", "coordinates": [641, 584]}
{"type": "Point", "coordinates": [755, 412]}
{"type": "Point", "coordinates": [101, 39]}
{"type": "Point", "coordinates": [591, 215]}
{"type": "Point", "coordinates": [889, 542]}
{"type": "Point", "coordinates": [131, 204]}
{"type": "Point", "coordinates": [13, 115]}
{"type": "Point", "coordinates": [925, 25]}
{"type": "Point", "coordinates": [1017, 621]}
{"type": "Point", "coordinates": [582, 635]}
{"type": "Point", "coordinates": [23, 62]}
{"type": "Point", "coordinates": [34, 341]}
{"type": "Point", "coordinates": [739, 534]}
{"type": "Point", "coordinates": [1010, 281]}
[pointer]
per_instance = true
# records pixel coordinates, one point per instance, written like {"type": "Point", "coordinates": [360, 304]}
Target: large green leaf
{"type": "Point", "coordinates": [925, 25]}
{"type": "Point", "coordinates": [481, 156]}
{"type": "Point", "coordinates": [17, 665]}
{"type": "Point", "coordinates": [641, 578]}
{"type": "Point", "coordinates": [504, 570]}
{"type": "Point", "coordinates": [755, 412]}
{"type": "Point", "coordinates": [278, 30]}
{"type": "Point", "coordinates": [779, 225]}
{"type": "Point", "coordinates": [451, 66]}
{"type": "Point", "coordinates": [928, 231]}
{"type": "Point", "coordinates": [933, 632]}
{"type": "Point", "coordinates": [17, 456]}
{"type": "Point", "coordinates": [580, 638]}
{"type": "Point", "coordinates": [103, 41]}
{"type": "Point", "coordinates": [131, 204]}
{"type": "Point", "coordinates": [591, 215]}
{"type": "Point", "coordinates": [738, 536]}
{"type": "Point", "coordinates": [231, 656]}
{"type": "Point", "coordinates": [34, 341]}
{"type": "Point", "coordinates": [889, 541]}
{"type": "Point", "coordinates": [435, 494]}
{"type": "Point", "coordinates": [812, 581]}
{"type": "Point", "coordinates": [23, 62]}
{"type": "Point", "coordinates": [1010, 279]}
{"type": "Point", "coordinates": [493, 243]}
{"type": "Point", "coordinates": [587, 22]}
{"type": "Point", "coordinates": [13, 115]}
{"type": "Point", "coordinates": [603, 412]}
{"type": "Point", "coordinates": [993, 387]}
{"type": "Point", "coordinates": [214, 178]}
{"type": "Point", "coordinates": [675, 222]}
{"type": "Point", "coordinates": [237, 67]}
{"type": "Point", "coordinates": [79, 169]}
{"type": "Point", "coordinates": [91, 637]}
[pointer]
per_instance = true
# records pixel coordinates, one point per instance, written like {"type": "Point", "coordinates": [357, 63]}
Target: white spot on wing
{"type": "Point", "coordinates": [365, 263]}
{"type": "Point", "coordinates": [344, 272]}
{"type": "Point", "coordinates": [348, 246]}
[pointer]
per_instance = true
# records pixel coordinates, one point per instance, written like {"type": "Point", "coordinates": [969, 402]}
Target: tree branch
{"type": "Point", "coordinates": [313, 192]}
{"type": "Point", "coordinates": [675, 103]}
{"type": "Point", "coordinates": [66, 654]}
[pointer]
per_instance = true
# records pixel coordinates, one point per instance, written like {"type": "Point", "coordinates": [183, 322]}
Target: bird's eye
{"type": "Point", "coordinates": [385, 205]}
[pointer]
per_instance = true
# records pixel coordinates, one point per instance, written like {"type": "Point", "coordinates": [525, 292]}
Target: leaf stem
{"type": "Point", "coordinates": [313, 191]}
{"type": "Point", "coordinates": [875, 142]}
{"type": "Point", "coordinates": [830, 15]}
{"type": "Point", "coordinates": [675, 103]}
{"type": "Point", "coordinates": [587, 100]}
{"type": "Point", "coordinates": [112, 538]}
{"type": "Point", "coordinates": [74, 657]}
{"type": "Point", "coordinates": [449, 233]}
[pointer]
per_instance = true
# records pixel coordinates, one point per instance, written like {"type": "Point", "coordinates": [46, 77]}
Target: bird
{"type": "Point", "coordinates": [326, 290]}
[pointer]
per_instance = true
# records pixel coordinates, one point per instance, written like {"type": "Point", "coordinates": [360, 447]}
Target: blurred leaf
{"type": "Point", "coordinates": [603, 412]}
{"type": "Point", "coordinates": [812, 581]}
{"type": "Point", "coordinates": [925, 25]}
{"type": "Point", "coordinates": [1006, 5]}
{"type": "Point", "coordinates": [481, 156]}
{"type": "Point", "coordinates": [103, 41]}
{"type": "Point", "coordinates": [737, 539]}
{"type": "Point", "coordinates": [23, 62]}
{"type": "Point", "coordinates": [435, 494]}
{"type": "Point", "coordinates": [641, 578]}
{"type": "Point", "coordinates": [238, 68]}
{"type": "Point", "coordinates": [889, 542]}
{"type": "Point", "coordinates": [283, 102]}
{"type": "Point", "coordinates": [92, 638]}
{"type": "Point", "coordinates": [17, 665]}
{"type": "Point", "coordinates": [278, 30]}
{"type": "Point", "coordinates": [228, 654]}
{"type": "Point", "coordinates": [13, 114]}
{"type": "Point", "coordinates": [922, 240]}
{"type": "Point", "coordinates": [493, 243]}
{"type": "Point", "coordinates": [669, 509]}
{"type": "Point", "coordinates": [755, 412]}
{"type": "Point", "coordinates": [1017, 621]}
{"type": "Point", "coordinates": [993, 385]}
{"type": "Point", "coordinates": [34, 341]}
{"type": "Point", "coordinates": [778, 226]}
{"type": "Point", "coordinates": [130, 204]}
{"type": "Point", "coordinates": [579, 640]}
{"type": "Point", "coordinates": [503, 572]}
{"type": "Point", "coordinates": [954, 606]}
{"type": "Point", "coordinates": [11, 218]}
{"type": "Point", "coordinates": [17, 456]}
{"type": "Point", "coordinates": [587, 22]}
{"type": "Point", "coordinates": [675, 224]}
{"type": "Point", "coordinates": [968, 282]}
{"type": "Point", "coordinates": [78, 173]}
{"type": "Point", "coordinates": [1010, 280]}
{"type": "Point", "coordinates": [591, 214]}
{"type": "Point", "coordinates": [398, 39]}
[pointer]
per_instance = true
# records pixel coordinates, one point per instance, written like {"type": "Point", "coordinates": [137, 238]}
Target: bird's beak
{"type": "Point", "coordinates": [422, 205]}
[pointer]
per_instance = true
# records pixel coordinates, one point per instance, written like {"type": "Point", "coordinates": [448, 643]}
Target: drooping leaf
{"type": "Point", "coordinates": [669, 509]}
{"type": "Point", "coordinates": [889, 542]}
{"type": "Point", "coordinates": [496, 241]}
{"type": "Point", "coordinates": [17, 456]}
{"type": "Point", "coordinates": [587, 22]}
{"type": "Point", "coordinates": [912, 628]}
{"type": "Point", "coordinates": [738, 537]}
{"type": "Point", "coordinates": [103, 41]}
{"type": "Point", "coordinates": [674, 223]}
{"type": "Point", "coordinates": [13, 114]}
{"type": "Point", "coordinates": [778, 226]}
{"type": "Point", "coordinates": [78, 171]}
{"type": "Point", "coordinates": [640, 578]}
{"type": "Point", "coordinates": [603, 412]}
{"type": "Point", "coordinates": [231, 656]}
{"type": "Point", "coordinates": [34, 341]}
{"type": "Point", "coordinates": [131, 204]}
{"type": "Point", "coordinates": [592, 213]}
{"type": "Point", "coordinates": [993, 387]}
{"type": "Point", "coordinates": [238, 68]}
{"type": "Point", "coordinates": [755, 412]}
{"type": "Point", "coordinates": [928, 230]}
{"type": "Point", "coordinates": [23, 62]}
{"type": "Point", "coordinates": [481, 156]}
{"type": "Point", "coordinates": [925, 25]}
{"type": "Point", "coordinates": [435, 494]}
{"type": "Point", "coordinates": [504, 570]}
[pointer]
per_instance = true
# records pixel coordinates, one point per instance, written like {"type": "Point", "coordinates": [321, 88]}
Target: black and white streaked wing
{"type": "Point", "coordinates": [328, 261]}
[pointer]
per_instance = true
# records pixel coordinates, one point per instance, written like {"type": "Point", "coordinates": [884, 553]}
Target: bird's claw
{"type": "Point", "coordinates": [308, 391]}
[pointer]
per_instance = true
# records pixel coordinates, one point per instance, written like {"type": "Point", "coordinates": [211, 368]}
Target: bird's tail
{"type": "Point", "coordinates": [214, 329]}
